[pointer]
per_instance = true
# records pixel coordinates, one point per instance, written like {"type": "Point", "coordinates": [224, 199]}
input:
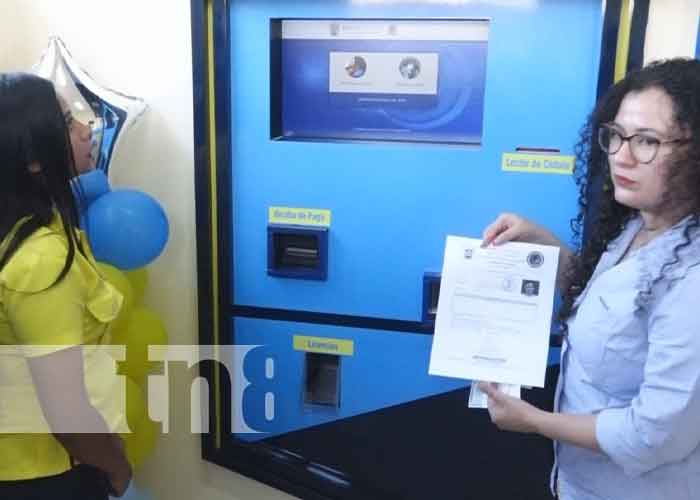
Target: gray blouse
{"type": "Point", "coordinates": [632, 357]}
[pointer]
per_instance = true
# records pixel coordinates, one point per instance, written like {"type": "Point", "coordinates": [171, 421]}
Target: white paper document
{"type": "Point", "coordinates": [494, 312]}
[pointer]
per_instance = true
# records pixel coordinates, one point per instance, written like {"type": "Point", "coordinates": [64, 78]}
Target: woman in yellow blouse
{"type": "Point", "coordinates": [59, 393]}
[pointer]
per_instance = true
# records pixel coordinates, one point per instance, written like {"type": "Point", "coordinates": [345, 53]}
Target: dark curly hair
{"type": "Point", "coordinates": [601, 219]}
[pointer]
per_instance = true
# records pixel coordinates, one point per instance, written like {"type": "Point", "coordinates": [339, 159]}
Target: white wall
{"type": "Point", "coordinates": [672, 29]}
{"type": "Point", "coordinates": [143, 48]}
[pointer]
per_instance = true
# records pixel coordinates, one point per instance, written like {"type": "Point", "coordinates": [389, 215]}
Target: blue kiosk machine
{"type": "Point", "coordinates": [338, 143]}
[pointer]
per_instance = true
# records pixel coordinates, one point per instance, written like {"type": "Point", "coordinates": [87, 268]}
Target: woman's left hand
{"type": "Point", "coordinates": [507, 412]}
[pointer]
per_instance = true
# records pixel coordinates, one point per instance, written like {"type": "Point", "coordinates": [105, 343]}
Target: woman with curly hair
{"type": "Point", "coordinates": [627, 408]}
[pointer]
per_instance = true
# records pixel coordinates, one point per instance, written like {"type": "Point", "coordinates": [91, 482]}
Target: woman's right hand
{"type": "Point", "coordinates": [120, 477]}
{"type": "Point", "coordinates": [119, 480]}
{"type": "Point", "coordinates": [512, 227]}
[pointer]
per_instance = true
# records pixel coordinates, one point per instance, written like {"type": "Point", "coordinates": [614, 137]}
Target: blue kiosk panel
{"type": "Point", "coordinates": [375, 370]}
{"type": "Point", "coordinates": [350, 412]}
{"type": "Point", "coordinates": [392, 196]}
{"type": "Point", "coordinates": [354, 413]}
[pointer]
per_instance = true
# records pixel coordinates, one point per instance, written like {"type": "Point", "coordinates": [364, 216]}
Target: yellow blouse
{"type": "Point", "coordinates": [37, 318]}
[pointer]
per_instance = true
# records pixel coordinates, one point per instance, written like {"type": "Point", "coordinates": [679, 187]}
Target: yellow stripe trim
{"type": "Point", "coordinates": [214, 212]}
{"type": "Point", "coordinates": [623, 40]}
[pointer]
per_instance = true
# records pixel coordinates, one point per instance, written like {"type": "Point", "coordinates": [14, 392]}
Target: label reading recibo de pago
{"type": "Point", "coordinates": [494, 312]}
{"type": "Point", "coordinates": [299, 216]}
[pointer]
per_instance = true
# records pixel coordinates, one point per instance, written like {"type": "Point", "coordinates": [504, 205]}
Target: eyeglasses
{"type": "Point", "coordinates": [643, 147]}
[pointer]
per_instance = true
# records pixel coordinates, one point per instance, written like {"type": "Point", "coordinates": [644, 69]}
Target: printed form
{"type": "Point", "coordinates": [494, 313]}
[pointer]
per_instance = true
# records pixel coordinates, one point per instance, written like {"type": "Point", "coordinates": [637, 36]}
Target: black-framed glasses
{"type": "Point", "coordinates": [643, 147]}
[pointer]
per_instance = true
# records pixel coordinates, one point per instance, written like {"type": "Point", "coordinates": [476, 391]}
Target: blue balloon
{"type": "Point", "coordinates": [87, 188]}
{"type": "Point", "coordinates": [126, 228]}
{"type": "Point", "coordinates": [93, 184]}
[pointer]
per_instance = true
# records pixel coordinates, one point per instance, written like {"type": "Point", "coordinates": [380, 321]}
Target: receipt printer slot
{"type": "Point", "coordinates": [297, 252]}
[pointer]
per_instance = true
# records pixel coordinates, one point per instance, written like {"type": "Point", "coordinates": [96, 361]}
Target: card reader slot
{"type": "Point", "coordinates": [431, 296]}
{"type": "Point", "coordinates": [434, 296]}
{"type": "Point", "coordinates": [529, 149]}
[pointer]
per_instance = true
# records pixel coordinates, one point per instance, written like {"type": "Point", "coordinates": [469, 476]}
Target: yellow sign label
{"type": "Point", "coordinates": [299, 216]}
{"type": "Point", "coordinates": [538, 163]}
{"type": "Point", "coordinates": [324, 345]}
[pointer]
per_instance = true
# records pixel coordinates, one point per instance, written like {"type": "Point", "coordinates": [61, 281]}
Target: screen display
{"type": "Point", "coordinates": [380, 80]}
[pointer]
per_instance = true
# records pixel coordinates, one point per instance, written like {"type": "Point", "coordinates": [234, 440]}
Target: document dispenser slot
{"type": "Point", "coordinates": [431, 295]}
{"type": "Point", "coordinates": [322, 379]}
{"type": "Point", "coordinates": [297, 252]}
